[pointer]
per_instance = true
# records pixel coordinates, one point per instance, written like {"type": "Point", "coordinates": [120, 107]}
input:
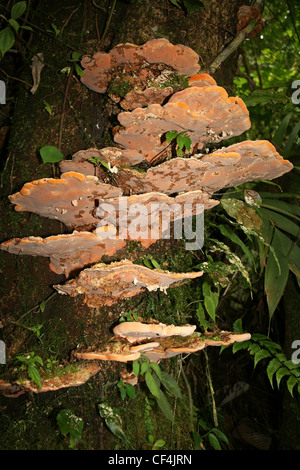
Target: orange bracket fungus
{"type": "Point", "coordinates": [106, 284]}
{"type": "Point", "coordinates": [139, 75]}
{"type": "Point", "coordinates": [142, 80]}
{"type": "Point", "coordinates": [205, 113]}
{"type": "Point", "coordinates": [68, 252]}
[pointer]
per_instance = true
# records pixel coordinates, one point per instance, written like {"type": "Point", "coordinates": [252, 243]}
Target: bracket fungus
{"type": "Point", "coordinates": [139, 75]}
{"type": "Point", "coordinates": [230, 166]}
{"type": "Point", "coordinates": [106, 284]}
{"type": "Point", "coordinates": [68, 199]}
{"type": "Point", "coordinates": [156, 341]}
{"type": "Point", "coordinates": [206, 113]}
{"type": "Point", "coordinates": [65, 379]}
{"type": "Point", "coordinates": [138, 331]}
{"type": "Point", "coordinates": [68, 252]}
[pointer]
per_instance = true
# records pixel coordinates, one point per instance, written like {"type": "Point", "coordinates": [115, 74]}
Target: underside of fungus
{"type": "Point", "coordinates": [106, 284]}
{"type": "Point", "coordinates": [156, 341]}
{"type": "Point", "coordinates": [68, 252]}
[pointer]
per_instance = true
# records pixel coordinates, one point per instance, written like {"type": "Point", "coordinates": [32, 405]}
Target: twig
{"type": "Point", "coordinates": [109, 20]}
{"type": "Point", "coordinates": [232, 46]}
{"type": "Point", "coordinates": [64, 107]}
{"type": "Point", "coordinates": [189, 395]}
{"type": "Point", "coordinates": [68, 19]}
{"type": "Point", "coordinates": [15, 78]}
{"type": "Point", "coordinates": [215, 416]}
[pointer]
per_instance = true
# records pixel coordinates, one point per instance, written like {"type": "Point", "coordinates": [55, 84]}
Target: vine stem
{"type": "Point", "coordinates": [215, 416]}
{"type": "Point", "coordinates": [234, 44]}
{"type": "Point", "coordinates": [109, 20]}
{"type": "Point", "coordinates": [64, 107]}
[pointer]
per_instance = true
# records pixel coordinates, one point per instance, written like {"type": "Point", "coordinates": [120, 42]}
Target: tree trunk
{"type": "Point", "coordinates": [65, 114]}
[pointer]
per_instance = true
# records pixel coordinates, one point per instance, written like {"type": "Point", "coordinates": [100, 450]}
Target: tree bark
{"type": "Point", "coordinates": [79, 119]}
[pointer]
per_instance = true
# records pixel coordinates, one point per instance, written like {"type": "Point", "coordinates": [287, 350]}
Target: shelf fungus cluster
{"type": "Point", "coordinates": [106, 284]}
{"type": "Point", "coordinates": [160, 89]}
{"type": "Point", "coordinates": [139, 75]}
{"type": "Point", "coordinates": [156, 341]}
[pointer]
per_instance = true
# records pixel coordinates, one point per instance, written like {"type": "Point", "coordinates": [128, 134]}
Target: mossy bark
{"type": "Point", "coordinates": [78, 119]}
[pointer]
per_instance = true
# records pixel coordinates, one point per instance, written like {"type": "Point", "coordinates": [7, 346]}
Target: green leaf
{"type": "Point", "coordinates": [158, 444]}
{"type": "Point", "coordinates": [245, 215]}
{"type": "Point", "coordinates": [144, 367]}
{"type": "Point", "coordinates": [171, 135]}
{"type": "Point", "coordinates": [275, 280]}
{"type": "Point", "coordinates": [170, 384]}
{"type": "Point", "coordinates": [164, 405]}
{"type": "Point", "coordinates": [281, 373]}
{"type": "Point", "coordinates": [123, 392]}
{"type": "Point", "coordinates": [239, 346]}
{"type": "Point", "coordinates": [273, 366]}
{"type": "Point", "coordinates": [220, 435]}
{"type": "Point", "coordinates": [282, 222]}
{"type": "Point", "coordinates": [136, 367]}
{"type": "Point", "coordinates": [79, 70]}
{"type": "Point", "coordinates": [18, 9]}
{"type": "Point", "coordinates": [206, 289]}
{"type": "Point", "coordinates": [286, 208]}
{"type": "Point", "coordinates": [14, 24]}
{"type": "Point", "coordinates": [201, 316]}
{"type": "Point", "coordinates": [130, 390]}
{"type": "Point", "coordinates": [192, 6]}
{"type": "Point", "coordinates": [228, 232]}
{"type": "Point", "coordinates": [34, 375]}
{"type": "Point", "coordinates": [147, 263]}
{"type": "Point", "coordinates": [294, 260]}
{"type": "Point", "coordinates": [238, 326]}
{"type": "Point", "coordinates": [210, 307]}
{"type": "Point", "coordinates": [47, 107]}
{"type": "Point", "coordinates": [70, 424]}
{"type": "Point", "coordinates": [259, 355]}
{"type": "Point", "coordinates": [156, 369]}
{"type": "Point", "coordinates": [56, 30]}
{"type": "Point", "coordinates": [291, 382]}
{"type": "Point", "coordinates": [27, 28]}
{"type": "Point", "coordinates": [197, 440]}
{"type": "Point", "coordinates": [113, 421]}
{"type": "Point", "coordinates": [75, 56]}
{"type": "Point", "coordinates": [214, 441]}
{"type": "Point", "coordinates": [51, 154]}
{"type": "Point", "coordinates": [281, 131]}
{"type": "Point", "coordinates": [7, 39]}
{"type": "Point", "coordinates": [292, 139]}
{"type": "Point", "coordinates": [152, 384]}
{"type": "Point", "coordinates": [183, 141]}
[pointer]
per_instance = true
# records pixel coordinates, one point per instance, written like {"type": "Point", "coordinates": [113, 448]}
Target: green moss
{"type": "Point", "coordinates": [119, 87]}
{"type": "Point", "coordinates": [175, 80]}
